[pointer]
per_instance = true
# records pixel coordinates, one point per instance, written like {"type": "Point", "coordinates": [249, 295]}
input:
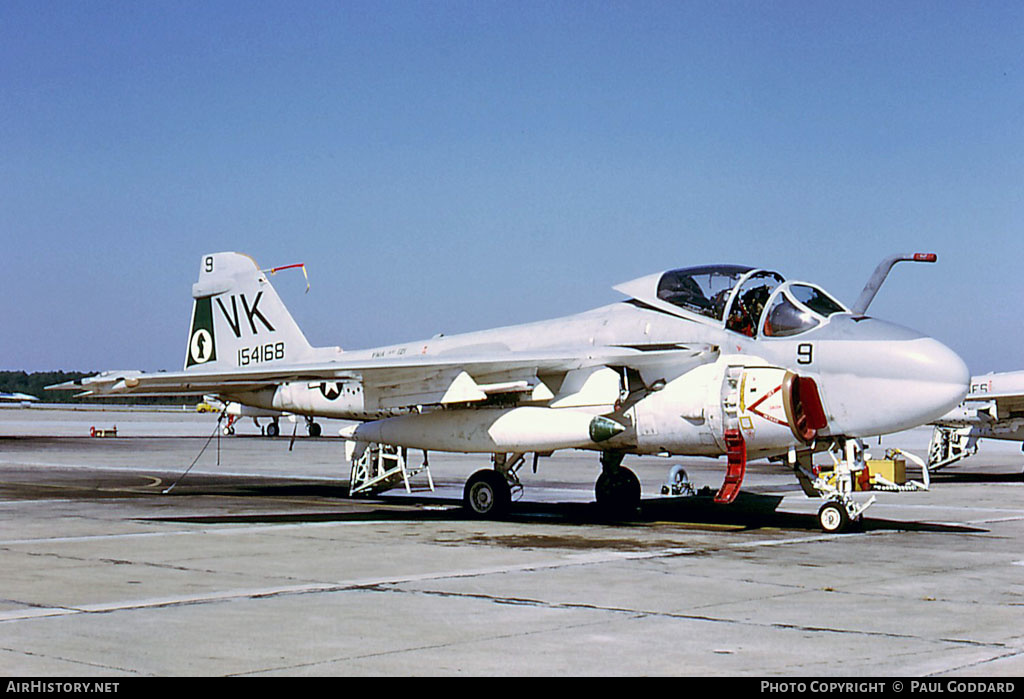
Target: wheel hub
{"type": "Point", "coordinates": [482, 498]}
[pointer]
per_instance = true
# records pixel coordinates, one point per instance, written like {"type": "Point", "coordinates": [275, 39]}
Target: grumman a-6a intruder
{"type": "Point", "coordinates": [718, 360]}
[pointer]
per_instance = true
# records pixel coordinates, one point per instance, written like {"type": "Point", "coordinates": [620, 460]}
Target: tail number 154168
{"type": "Point", "coordinates": [260, 353]}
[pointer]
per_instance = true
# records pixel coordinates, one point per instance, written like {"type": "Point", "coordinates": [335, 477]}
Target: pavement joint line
{"type": "Point", "coordinates": [168, 471]}
{"type": "Point", "coordinates": [797, 540]}
{"type": "Point", "coordinates": [341, 586]}
{"type": "Point", "coordinates": [405, 650]}
{"type": "Point", "coordinates": [968, 508]}
{"type": "Point", "coordinates": [231, 529]}
{"type": "Point", "coordinates": [997, 520]}
{"type": "Point", "coordinates": [643, 613]}
{"type": "Point", "coordinates": [224, 529]}
{"type": "Point", "coordinates": [34, 503]}
{"type": "Point", "coordinates": [979, 663]}
{"type": "Point", "coordinates": [309, 588]}
{"type": "Point", "coordinates": [73, 661]}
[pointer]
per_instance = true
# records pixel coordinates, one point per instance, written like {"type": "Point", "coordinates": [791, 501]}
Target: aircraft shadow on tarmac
{"type": "Point", "coordinates": [749, 511]}
{"type": "Point", "coordinates": [962, 477]}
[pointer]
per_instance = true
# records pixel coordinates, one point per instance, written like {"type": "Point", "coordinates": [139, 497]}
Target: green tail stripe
{"type": "Point", "coordinates": [202, 346]}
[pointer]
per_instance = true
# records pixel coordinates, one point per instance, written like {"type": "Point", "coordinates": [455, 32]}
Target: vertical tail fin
{"type": "Point", "coordinates": [238, 320]}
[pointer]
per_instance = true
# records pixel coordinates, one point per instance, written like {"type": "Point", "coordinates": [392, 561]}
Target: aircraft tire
{"type": "Point", "coordinates": [314, 429]}
{"type": "Point", "coordinates": [273, 429]}
{"type": "Point", "coordinates": [833, 518]}
{"type": "Point", "coordinates": [487, 494]}
{"type": "Point", "coordinates": [618, 492]}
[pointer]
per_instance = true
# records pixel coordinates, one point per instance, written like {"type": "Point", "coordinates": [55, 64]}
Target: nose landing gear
{"type": "Point", "coordinates": [834, 517]}
{"type": "Point", "coordinates": [840, 512]}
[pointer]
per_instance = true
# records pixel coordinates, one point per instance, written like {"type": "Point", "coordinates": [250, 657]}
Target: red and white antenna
{"type": "Point", "coordinates": [301, 266]}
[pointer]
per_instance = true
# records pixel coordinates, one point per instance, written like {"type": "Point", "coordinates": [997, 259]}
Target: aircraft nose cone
{"type": "Point", "coordinates": [937, 374]}
{"type": "Point", "coordinates": [896, 379]}
{"type": "Point", "coordinates": [919, 380]}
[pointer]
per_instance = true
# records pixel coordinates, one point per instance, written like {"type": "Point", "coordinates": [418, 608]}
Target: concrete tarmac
{"type": "Point", "coordinates": [258, 563]}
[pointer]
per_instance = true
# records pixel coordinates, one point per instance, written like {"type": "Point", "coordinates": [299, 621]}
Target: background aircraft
{"type": "Point", "coordinates": [20, 398]}
{"type": "Point", "coordinates": [234, 411]}
{"type": "Point", "coordinates": [993, 409]}
{"type": "Point", "coordinates": [711, 360]}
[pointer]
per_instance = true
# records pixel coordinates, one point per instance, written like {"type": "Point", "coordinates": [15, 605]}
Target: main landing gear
{"type": "Point", "coordinates": [489, 492]}
{"type": "Point", "coordinates": [617, 489]}
{"type": "Point", "coordinates": [313, 429]}
{"type": "Point", "coordinates": [273, 428]}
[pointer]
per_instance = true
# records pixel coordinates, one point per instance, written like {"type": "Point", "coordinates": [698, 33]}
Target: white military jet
{"type": "Point", "coordinates": [993, 409]}
{"type": "Point", "coordinates": [717, 360]}
{"type": "Point", "coordinates": [22, 399]}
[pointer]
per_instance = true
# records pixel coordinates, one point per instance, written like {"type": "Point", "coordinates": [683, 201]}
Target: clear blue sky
{"type": "Point", "coordinates": [449, 166]}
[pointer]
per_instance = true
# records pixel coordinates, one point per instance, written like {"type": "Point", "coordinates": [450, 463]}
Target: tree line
{"type": "Point", "coordinates": [34, 383]}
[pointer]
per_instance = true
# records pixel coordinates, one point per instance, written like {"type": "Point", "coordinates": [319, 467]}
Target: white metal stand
{"type": "Point", "coordinates": [383, 467]}
{"type": "Point", "coordinates": [950, 445]}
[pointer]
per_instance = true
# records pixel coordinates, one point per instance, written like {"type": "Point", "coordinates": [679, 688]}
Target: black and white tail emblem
{"type": "Point", "coordinates": [201, 346]}
{"type": "Point", "coordinates": [330, 391]}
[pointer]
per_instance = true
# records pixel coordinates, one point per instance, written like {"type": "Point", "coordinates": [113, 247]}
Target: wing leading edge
{"type": "Point", "coordinates": [419, 380]}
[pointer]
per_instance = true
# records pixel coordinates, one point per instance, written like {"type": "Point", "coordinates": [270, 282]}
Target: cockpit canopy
{"type": "Point", "coordinates": [703, 290]}
{"type": "Point", "coordinates": [798, 308]}
{"type": "Point", "coordinates": [749, 301]}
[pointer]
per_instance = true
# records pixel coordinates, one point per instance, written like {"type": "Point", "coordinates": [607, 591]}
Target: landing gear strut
{"type": "Point", "coordinates": [840, 511]}
{"type": "Point", "coordinates": [313, 429]}
{"type": "Point", "coordinates": [617, 488]}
